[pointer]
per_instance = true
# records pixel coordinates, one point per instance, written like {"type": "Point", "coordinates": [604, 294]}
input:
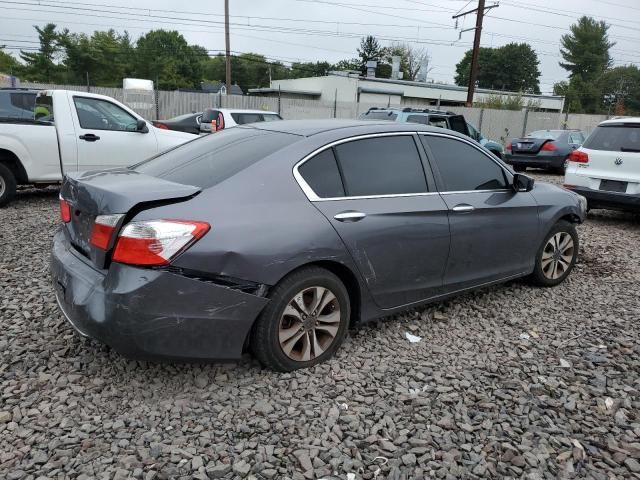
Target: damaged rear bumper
{"type": "Point", "coordinates": [150, 314]}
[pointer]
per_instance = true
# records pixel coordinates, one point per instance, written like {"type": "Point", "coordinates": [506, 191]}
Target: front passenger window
{"type": "Point", "coordinates": [463, 167]}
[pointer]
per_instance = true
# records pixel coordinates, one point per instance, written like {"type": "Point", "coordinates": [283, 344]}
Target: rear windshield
{"type": "Point", "coordinates": [546, 134]}
{"type": "Point", "coordinates": [379, 116]}
{"type": "Point", "coordinates": [615, 138]}
{"type": "Point", "coordinates": [207, 161]}
{"type": "Point", "coordinates": [17, 105]}
{"type": "Point", "coordinates": [244, 118]}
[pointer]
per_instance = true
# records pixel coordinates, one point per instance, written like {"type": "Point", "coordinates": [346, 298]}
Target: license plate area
{"type": "Point", "coordinates": [613, 186]}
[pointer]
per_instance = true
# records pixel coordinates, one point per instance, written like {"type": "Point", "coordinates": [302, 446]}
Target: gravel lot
{"type": "Point", "coordinates": [511, 381]}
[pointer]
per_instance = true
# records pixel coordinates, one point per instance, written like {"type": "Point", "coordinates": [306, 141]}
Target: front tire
{"type": "Point", "coordinates": [7, 185]}
{"type": "Point", "coordinates": [304, 323]}
{"type": "Point", "coordinates": [557, 255]}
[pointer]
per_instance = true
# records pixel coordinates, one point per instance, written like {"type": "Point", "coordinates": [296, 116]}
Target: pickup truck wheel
{"type": "Point", "coordinates": [7, 185]}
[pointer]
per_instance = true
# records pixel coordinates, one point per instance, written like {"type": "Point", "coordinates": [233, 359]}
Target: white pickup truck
{"type": "Point", "coordinates": [72, 131]}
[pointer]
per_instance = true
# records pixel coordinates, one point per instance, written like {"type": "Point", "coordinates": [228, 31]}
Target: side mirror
{"type": "Point", "coordinates": [205, 127]}
{"type": "Point", "coordinates": [522, 183]}
{"type": "Point", "coordinates": [141, 126]}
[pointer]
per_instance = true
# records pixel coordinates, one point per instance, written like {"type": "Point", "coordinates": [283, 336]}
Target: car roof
{"type": "Point", "coordinates": [618, 121]}
{"type": "Point", "coordinates": [308, 128]}
{"type": "Point", "coordinates": [415, 111]}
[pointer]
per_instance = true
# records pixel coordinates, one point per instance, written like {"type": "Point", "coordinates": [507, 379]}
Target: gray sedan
{"type": "Point", "coordinates": [547, 149]}
{"type": "Point", "coordinates": [277, 237]}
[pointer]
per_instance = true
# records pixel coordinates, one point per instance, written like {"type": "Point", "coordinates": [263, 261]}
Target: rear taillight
{"type": "Point", "coordinates": [549, 147]}
{"type": "Point", "coordinates": [65, 210]}
{"type": "Point", "coordinates": [578, 157]}
{"type": "Point", "coordinates": [103, 229]}
{"type": "Point", "coordinates": [156, 242]}
{"type": "Point", "coordinates": [160, 125]}
{"type": "Point", "coordinates": [508, 147]}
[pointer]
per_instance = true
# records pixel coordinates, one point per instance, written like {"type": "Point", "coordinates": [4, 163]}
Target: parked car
{"type": "Point", "coordinates": [282, 236]}
{"type": "Point", "coordinates": [189, 123]}
{"type": "Point", "coordinates": [435, 118]}
{"type": "Point", "coordinates": [491, 145]}
{"type": "Point", "coordinates": [216, 119]}
{"type": "Point", "coordinates": [17, 103]}
{"type": "Point", "coordinates": [547, 149]}
{"type": "Point", "coordinates": [606, 169]}
{"type": "Point", "coordinates": [70, 131]}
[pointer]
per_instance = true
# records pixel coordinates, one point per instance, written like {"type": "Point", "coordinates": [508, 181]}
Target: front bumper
{"type": "Point", "coordinates": [608, 200]}
{"type": "Point", "coordinates": [151, 314]}
{"type": "Point", "coordinates": [535, 161]}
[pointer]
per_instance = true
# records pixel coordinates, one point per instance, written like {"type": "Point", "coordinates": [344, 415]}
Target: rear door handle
{"type": "Point", "coordinates": [463, 208]}
{"type": "Point", "coordinates": [349, 216]}
{"type": "Point", "coordinates": [89, 137]}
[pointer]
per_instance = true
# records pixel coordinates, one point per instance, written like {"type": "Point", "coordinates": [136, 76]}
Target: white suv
{"type": "Point", "coordinates": [606, 169]}
{"type": "Point", "coordinates": [216, 119]}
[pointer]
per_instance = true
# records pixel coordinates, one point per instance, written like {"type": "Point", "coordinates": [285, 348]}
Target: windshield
{"type": "Point", "coordinates": [373, 115]}
{"type": "Point", "coordinates": [209, 160]}
{"type": "Point", "coordinates": [546, 134]}
{"type": "Point", "coordinates": [615, 138]}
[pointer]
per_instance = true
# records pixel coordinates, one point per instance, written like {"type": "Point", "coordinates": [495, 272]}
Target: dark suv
{"type": "Point", "coordinates": [17, 102]}
{"type": "Point", "coordinates": [434, 118]}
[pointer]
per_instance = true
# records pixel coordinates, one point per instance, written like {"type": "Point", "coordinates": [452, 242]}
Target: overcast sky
{"type": "Point", "coordinates": [313, 30]}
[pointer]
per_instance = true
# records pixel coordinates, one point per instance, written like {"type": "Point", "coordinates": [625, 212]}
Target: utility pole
{"type": "Point", "coordinates": [227, 45]}
{"type": "Point", "coordinates": [473, 74]}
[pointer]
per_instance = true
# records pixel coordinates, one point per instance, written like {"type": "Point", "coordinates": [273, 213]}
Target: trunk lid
{"type": "Point", "coordinates": [118, 191]}
{"type": "Point", "coordinates": [528, 145]}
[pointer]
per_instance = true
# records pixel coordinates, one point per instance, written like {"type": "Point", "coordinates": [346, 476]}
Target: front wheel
{"type": "Point", "coordinates": [557, 255]}
{"type": "Point", "coordinates": [7, 185]}
{"type": "Point", "coordinates": [304, 323]}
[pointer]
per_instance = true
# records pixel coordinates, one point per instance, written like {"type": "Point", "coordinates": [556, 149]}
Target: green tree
{"type": "Point", "coordinates": [352, 64]}
{"type": "Point", "coordinates": [8, 64]}
{"type": "Point", "coordinates": [107, 57]}
{"type": "Point", "coordinates": [411, 58]}
{"type": "Point", "coordinates": [167, 56]}
{"type": "Point", "coordinates": [585, 52]}
{"type": "Point", "coordinates": [512, 67]}
{"type": "Point", "coordinates": [370, 49]}
{"type": "Point", "coordinates": [621, 87]}
{"type": "Point", "coordinates": [310, 69]}
{"type": "Point", "coordinates": [42, 66]}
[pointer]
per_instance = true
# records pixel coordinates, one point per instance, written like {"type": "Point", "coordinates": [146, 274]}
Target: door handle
{"type": "Point", "coordinates": [463, 208]}
{"type": "Point", "coordinates": [349, 216]}
{"type": "Point", "coordinates": [89, 137]}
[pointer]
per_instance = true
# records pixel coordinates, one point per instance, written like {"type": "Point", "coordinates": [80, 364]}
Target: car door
{"type": "Point", "coordinates": [107, 136]}
{"type": "Point", "coordinates": [374, 192]}
{"type": "Point", "coordinates": [494, 229]}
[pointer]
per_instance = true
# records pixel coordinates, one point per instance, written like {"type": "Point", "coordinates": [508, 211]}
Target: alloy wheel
{"type": "Point", "coordinates": [309, 323]}
{"type": "Point", "coordinates": [557, 255]}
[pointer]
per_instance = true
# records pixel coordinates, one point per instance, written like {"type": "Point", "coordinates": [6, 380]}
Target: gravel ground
{"type": "Point", "coordinates": [511, 381]}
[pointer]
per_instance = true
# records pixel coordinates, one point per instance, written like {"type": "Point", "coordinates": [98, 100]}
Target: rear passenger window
{"type": "Point", "coordinates": [322, 175]}
{"type": "Point", "coordinates": [463, 167]}
{"type": "Point", "coordinates": [381, 166]}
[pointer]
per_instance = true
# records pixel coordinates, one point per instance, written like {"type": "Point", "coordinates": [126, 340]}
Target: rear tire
{"type": "Point", "coordinates": [519, 168]}
{"type": "Point", "coordinates": [304, 323]}
{"type": "Point", "coordinates": [7, 185]}
{"type": "Point", "coordinates": [556, 256]}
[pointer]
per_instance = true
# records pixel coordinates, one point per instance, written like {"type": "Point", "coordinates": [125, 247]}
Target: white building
{"type": "Point", "coordinates": [349, 87]}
